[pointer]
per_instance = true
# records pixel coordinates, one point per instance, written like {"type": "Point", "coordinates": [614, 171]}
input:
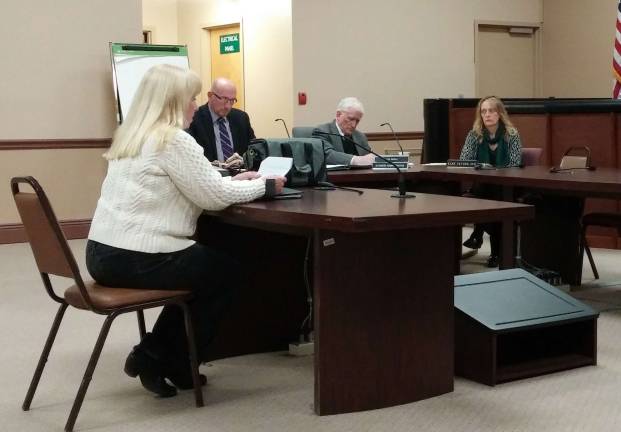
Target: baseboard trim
{"type": "Point", "coordinates": [73, 229]}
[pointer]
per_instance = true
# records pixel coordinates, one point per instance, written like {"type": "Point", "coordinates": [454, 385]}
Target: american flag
{"type": "Point", "coordinates": [616, 56]}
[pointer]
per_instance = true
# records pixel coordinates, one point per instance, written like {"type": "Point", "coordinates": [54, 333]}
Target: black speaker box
{"type": "Point", "coordinates": [511, 325]}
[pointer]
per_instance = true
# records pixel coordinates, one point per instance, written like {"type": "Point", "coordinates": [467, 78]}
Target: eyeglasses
{"type": "Point", "coordinates": [232, 101]}
{"type": "Point", "coordinates": [490, 110]}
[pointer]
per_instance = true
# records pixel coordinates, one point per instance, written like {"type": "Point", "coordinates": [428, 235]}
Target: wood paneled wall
{"type": "Point", "coordinates": [555, 126]}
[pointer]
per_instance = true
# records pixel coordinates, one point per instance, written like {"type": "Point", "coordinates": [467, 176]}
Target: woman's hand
{"type": "Point", "coordinates": [248, 175]}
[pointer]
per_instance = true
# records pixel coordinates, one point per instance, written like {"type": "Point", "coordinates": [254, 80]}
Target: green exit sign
{"type": "Point", "coordinates": [229, 43]}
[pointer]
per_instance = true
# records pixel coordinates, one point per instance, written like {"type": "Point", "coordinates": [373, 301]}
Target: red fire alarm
{"type": "Point", "coordinates": [301, 98]}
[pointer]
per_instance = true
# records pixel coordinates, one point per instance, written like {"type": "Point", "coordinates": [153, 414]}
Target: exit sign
{"type": "Point", "coordinates": [229, 43]}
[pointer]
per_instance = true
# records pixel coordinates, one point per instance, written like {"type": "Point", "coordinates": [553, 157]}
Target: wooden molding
{"type": "Point", "coordinates": [73, 229]}
{"type": "Point", "coordinates": [42, 144]}
{"type": "Point", "coordinates": [388, 136]}
{"type": "Point", "coordinates": [39, 144]}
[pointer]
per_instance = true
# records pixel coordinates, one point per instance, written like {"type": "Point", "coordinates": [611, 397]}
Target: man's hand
{"type": "Point", "coordinates": [367, 159]}
{"type": "Point", "coordinates": [235, 161]}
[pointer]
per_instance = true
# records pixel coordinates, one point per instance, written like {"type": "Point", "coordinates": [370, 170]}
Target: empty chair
{"type": "Point", "coordinates": [531, 155]}
{"type": "Point", "coordinates": [54, 257]}
{"type": "Point", "coordinates": [576, 157]}
{"type": "Point", "coordinates": [603, 219]}
{"type": "Point", "coordinates": [303, 132]}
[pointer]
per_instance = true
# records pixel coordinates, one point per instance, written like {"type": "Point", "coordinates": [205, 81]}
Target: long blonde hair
{"type": "Point", "coordinates": [478, 125]}
{"type": "Point", "coordinates": [157, 111]}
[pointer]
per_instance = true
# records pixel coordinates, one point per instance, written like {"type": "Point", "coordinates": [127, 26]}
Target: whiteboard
{"type": "Point", "coordinates": [131, 61]}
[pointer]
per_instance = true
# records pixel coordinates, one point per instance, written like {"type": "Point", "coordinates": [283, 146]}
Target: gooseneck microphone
{"type": "Point", "coordinates": [400, 178]}
{"type": "Point", "coordinates": [394, 135]}
{"type": "Point", "coordinates": [329, 185]}
{"type": "Point", "coordinates": [285, 125]}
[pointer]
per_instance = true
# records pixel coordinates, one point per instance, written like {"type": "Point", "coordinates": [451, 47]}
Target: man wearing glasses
{"type": "Point", "coordinates": [342, 150]}
{"type": "Point", "coordinates": [223, 131]}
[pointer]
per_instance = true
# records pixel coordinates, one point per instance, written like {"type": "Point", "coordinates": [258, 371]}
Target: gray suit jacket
{"type": "Point", "coordinates": [334, 145]}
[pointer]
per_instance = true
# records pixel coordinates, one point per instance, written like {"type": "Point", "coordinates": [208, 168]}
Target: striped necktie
{"type": "Point", "coordinates": [225, 139]}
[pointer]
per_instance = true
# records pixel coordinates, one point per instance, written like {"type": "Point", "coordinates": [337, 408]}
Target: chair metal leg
{"type": "Point", "coordinates": [189, 329]}
{"type": "Point", "coordinates": [587, 249]}
{"type": "Point", "coordinates": [44, 356]}
{"type": "Point", "coordinates": [141, 325]}
{"type": "Point", "coordinates": [88, 374]}
{"type": "Point", "coordinates": [591, 261]}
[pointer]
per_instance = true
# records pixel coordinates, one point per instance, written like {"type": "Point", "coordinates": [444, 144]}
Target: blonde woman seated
{"type": "Point", "coordinates": [493, 140]}
{"type": "Point", "coordinates": [157, 185]}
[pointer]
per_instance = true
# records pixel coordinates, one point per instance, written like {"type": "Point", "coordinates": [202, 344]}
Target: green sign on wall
{"type": "Point", "coordinates": [229, 43]}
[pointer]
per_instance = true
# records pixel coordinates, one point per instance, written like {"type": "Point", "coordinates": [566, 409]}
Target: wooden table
{"type": "Point", "coordinates": [381, 274]}
{"type": "Point", "coordinates": [552, 240]}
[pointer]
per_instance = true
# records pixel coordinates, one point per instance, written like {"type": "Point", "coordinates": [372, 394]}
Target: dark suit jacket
{"type": "Point", "coordinates": [202, 131]}
{"type": "Point", "coordinates": [334, 151]}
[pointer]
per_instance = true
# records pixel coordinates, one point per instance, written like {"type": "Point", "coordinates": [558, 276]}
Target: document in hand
{"type": "Point", "coordinates": [275, 166]}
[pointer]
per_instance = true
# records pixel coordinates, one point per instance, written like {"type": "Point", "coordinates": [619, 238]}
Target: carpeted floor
{"type": "Point", "coordinates": [274, 391]}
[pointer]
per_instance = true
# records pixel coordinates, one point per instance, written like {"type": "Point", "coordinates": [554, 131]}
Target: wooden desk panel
{"type": "Point", "coordinates": [552, 240]}
{"type": "Point", "coordinates": [382, 281]}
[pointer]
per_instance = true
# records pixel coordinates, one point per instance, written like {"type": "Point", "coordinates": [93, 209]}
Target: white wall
{"type": "Point", "coordinates": [577, 45]}
{"type": "Point", "coordinates": [56, 83]}
{"type": "Point", "coordinates": [391, 54]}
{"type": "Point", "coordinates": [266, 35]}
{"type": "Point", "coordinates": [55, 78]}
{"type": "Point", "coordinates": [160, 17]}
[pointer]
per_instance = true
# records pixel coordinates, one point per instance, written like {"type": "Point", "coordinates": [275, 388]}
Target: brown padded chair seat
{"type": "Point", "coordinates": [107, 298]}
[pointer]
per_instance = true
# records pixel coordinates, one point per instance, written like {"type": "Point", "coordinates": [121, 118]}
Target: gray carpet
{"type": "Point", "coordinates": [274, 392]}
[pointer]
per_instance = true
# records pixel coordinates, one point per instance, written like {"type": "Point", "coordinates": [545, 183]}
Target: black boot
{"type": "Point", "coordinates": [492, 261]}
{"type": "Point", "coordinates": [474, 241]}
{"type": "Point", "coordinates": [144, 362]}
{"type": "Point", "coordinates": [180, 374]}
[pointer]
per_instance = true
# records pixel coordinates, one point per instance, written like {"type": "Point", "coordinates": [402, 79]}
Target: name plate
{"type": "Point", "coordinates": [400, 160]}
{"type": "Point", "coordinates": [468, 163]}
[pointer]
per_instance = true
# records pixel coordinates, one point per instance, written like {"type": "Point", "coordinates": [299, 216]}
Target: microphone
{"type": "Point", "coordinates": [394, 135]}
{"type": "Point", "coordinates": [285, 125]}
{"type": "Point", "coordinates": [400, 180]}
{"type": "Point", "coordinates": [329, 185]}
{"type": "Point", "coordinates": [557, 169]}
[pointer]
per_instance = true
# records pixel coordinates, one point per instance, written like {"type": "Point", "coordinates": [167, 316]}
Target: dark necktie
{"type": "Point", "coordinates": [348, 145]}
{"type": "Point", "coordinates": [225, 140]}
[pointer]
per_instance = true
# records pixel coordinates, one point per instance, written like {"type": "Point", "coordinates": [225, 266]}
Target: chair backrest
{"type": "Point", "coordinates": [49, 245]}
{"type": "Point", "coordinates": [531, 155]}
{"type": "Point", "coordinates": [303, 132]}
{"type": "Point", "coordinates": [576, 157]}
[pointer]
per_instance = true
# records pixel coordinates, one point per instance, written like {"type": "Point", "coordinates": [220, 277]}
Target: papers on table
{"type": "Point", "coordinates": [275, 166]}
{"type": "Point", "coordinates": [336, 167]}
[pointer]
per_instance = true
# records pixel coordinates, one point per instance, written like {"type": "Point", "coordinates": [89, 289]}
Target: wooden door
{"type": "Point", "coordinates": [227, 62]}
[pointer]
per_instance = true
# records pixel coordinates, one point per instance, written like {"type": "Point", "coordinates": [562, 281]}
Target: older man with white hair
{"type": "Point", "coordinates": [341, 150]}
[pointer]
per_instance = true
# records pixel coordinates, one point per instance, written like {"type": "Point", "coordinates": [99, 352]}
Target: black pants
{"type": "Point", "coordinates": [492, 192]}
{"type": "Point", "coordinates": [210, 275]}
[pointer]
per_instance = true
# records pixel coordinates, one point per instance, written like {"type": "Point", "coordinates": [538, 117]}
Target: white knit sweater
{"type": "Point", "coordinates": [150, 203]}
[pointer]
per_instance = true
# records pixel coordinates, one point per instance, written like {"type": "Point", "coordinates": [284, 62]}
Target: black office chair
{"type": "Point", "coordinates": [303, 132]}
